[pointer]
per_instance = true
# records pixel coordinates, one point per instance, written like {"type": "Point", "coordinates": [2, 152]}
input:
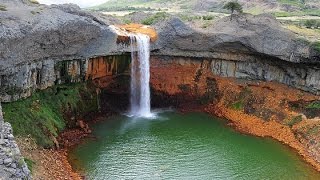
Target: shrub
{"type": "Point", "coordinates": [155, 18]}
{"type": "Point", "coordinates": [3, 7]}
{"type": "Point", "coordinates": [316, 46]}
{"type": "Point", "coordinates": [127, 21]}
{"type": "Point", "coordinates": [208, 17]}
{"type": "Point", "coordinates": [312, 23]}
{"type": "Point", "coordinates": [316, 104]}
{"type": "Point", "coordinates": [239, 105]}
{"type": "Point", "coordinates": [34, 1]}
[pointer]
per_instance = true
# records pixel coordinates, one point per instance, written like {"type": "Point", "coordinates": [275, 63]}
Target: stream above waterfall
{"type": "Point", "coordinates": [183, 146]}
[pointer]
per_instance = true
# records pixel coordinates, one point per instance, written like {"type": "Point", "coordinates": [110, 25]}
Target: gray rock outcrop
{"type": "Point", "coordinates": [246, 46]}
{"type": "Point", "coordinates": [35, 38]}
{"type": "Point", "coordinates": [246, 34]}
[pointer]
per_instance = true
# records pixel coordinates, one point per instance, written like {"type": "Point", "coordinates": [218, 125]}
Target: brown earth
{"type": "Point", "coordinates": [48, 164]}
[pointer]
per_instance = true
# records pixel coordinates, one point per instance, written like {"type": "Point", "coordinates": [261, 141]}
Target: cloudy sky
{"type": "Point", "coordinates": [81, 3]}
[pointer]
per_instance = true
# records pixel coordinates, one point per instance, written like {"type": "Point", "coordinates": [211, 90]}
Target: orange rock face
{"type": "Point", "coordinates": [258, 108]}
{"type": "Point", "coordinates": [123, 31]}
{"type": "Point", "coordinates": [102, 69]}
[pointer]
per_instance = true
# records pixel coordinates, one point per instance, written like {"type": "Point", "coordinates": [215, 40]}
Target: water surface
{"type": "Point", "coordinates": [189, 146]}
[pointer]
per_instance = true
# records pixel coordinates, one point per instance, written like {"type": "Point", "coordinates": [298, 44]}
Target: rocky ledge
{"type": "Point", "coordinates": [246, 47]}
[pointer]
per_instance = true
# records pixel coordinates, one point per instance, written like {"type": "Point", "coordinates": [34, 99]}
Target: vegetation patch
{"type": "Point", "coordinates": [243, 98]}
{"type": "Point", "coordinates": [316, 46]}
{"type": "Point", "coordinates": [314, 105]}
{"type": "Point", "coordinates": [188, 18]}
{"type": "Point", "coordinates": [34, 1]}
{"type": "Point", "coordinates": [239, 105]}
{"type": "Point", "coordinates": [312, 23]}
{"type": "Point", "coordinates": [3, 7]}
{"type": "Point", "coordinates": [304, 12]}
{"type": "Point", "coordinates": [43, 114]}
{"type": "Point", "coordinates": [294, 120]}
{"type": "Point", "coordinates": [29, 163]}
{"type": "Point", "coordinates": [155, 18]}
{"type": "Point", "coordinates": [314, 130]}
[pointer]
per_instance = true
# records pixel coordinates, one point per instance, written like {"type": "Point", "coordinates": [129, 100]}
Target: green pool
{"type": "Point", "coordinates": [183, 146]}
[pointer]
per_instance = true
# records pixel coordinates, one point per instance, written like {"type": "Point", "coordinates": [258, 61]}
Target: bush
{"type": "Point", "coordinates": [155, 18]}
{"type": "Point", "coordinates": [310, 23]}
{"type": "Point", "coordinates": [34, 1]}
{"type": "Point", "coordinates": [3, 7]}
{"type": "Point", "coordinates": [239, 105]}
{"type": "Point", "coordinates": [314, 105]}
{"type": "Point", "coordinates": [208, 17]}
{"type": "Point", "coordinates": [316, 47]}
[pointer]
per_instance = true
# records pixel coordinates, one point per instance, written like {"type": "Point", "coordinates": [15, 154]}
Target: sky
{"type": "Point", "coordinates": [81, 3]}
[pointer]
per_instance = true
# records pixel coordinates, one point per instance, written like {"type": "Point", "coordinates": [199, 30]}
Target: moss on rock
{"type": "Point", "coordinates": [46, 113]}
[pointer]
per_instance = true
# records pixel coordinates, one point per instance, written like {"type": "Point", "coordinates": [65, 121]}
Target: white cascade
{"type": "Point", "coordinates": [140, 76]}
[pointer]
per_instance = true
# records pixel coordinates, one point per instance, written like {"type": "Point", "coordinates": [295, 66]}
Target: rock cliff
{"type": "Point", "coordinates": [34, 38]}
{"type": "Point", "coordinates": [246, 46]}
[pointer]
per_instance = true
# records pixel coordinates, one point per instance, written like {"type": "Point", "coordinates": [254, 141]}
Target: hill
{"type": "Point", "coordinates": [278, 7]}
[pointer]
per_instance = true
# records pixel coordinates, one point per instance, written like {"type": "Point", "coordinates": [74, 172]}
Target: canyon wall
{"type": "Point", "coordinates": [39, 45]}
{"type": "Point", "coordinates": [267, 109]}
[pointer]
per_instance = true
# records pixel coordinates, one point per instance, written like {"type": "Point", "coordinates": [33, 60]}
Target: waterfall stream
{"type": "Point", "coordinates": [140, 76]}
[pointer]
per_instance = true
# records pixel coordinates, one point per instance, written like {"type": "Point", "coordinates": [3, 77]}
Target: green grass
{"type": "Point", "coordinates": [188, 17]}
{"type": "Point", "coordinates": [316, 46]}
{"type": "Point", "coordinates": [292, 2]}
{"type": "Point", "coordinates": [314, 105]}
{"type": "Point", "coordinates": [155, 18]}
{"type": "Point", "coordinates": [294, 120]}
{"type": "Point", "coordinates": [3, 7]}
{"type": "Point", "coordinates": [304, 12]}
{"type": "Point", "coordinates": [42, 114]}
{"type": "Point", "coordinates": [239, 105]}
{"type": "Point", "coordinates": [30, 164]}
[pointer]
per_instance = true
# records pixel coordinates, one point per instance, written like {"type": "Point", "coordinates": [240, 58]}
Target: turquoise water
{"type": "Point", "coordinates": [183, 146]}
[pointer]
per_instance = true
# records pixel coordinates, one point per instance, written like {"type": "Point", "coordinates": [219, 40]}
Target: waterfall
{"type": "Point", "coordinates": [140, 76]}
